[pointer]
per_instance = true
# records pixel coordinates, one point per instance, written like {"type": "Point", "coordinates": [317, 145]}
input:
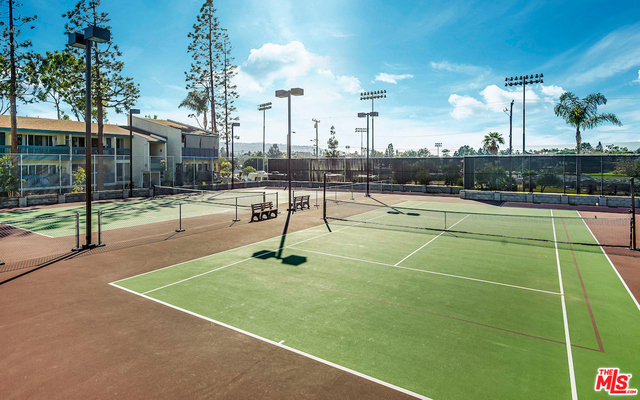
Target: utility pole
{"type": "Point", "coordinates": [510, 126]}
{"type": "Point", "coordinates": [380, 94]}
{"type": "Point", "coordinates": [524, 81]}
{"type": "Point", "coordinates": [316, 122]}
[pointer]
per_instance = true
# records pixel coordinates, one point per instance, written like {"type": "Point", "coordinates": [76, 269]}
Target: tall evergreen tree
{"type": "Point", "coordinates": [227, 90]}
{"type": "Point", "coordinates": [332, 144]}
{"type": "Point", "coordinates": [110, 89]}
{"type": "Point", "coordinates": [13, 58]}
{"type": "Point", "coordinates": [202, 75]}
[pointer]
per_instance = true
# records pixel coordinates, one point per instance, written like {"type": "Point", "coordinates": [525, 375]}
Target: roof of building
{"type": "Point", "coordinates": [184, 128]}
{"type": "Point", "coordinates": [58, 126]}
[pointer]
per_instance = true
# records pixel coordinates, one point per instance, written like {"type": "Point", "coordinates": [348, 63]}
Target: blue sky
{"type": "Point", "coordinates": [443, 65]}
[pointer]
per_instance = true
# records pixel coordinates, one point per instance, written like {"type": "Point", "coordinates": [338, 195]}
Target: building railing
{"type": "Point", "coordinates": [198, 152]}
{"type": "Point", "coordinates": [6, 149]}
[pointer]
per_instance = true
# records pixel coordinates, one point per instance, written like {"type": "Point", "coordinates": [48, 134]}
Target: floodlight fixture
{"type": "Point", "coordinates": [263, 107]}
{"type": "Point", "coordinates": [235, 124]}
{"type": "Point", "coordinates": [378, 94]}
{"type": "Point", "coordinates": [282, 94]}
{"type": "Point", "coordinates": [83, 41]}
{"type": "Point", "coordinates": [97, 34]}
{"type": "Point", "coordinates": [524, 81]}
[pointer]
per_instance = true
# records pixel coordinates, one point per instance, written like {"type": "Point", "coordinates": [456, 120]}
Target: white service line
{"type": "Point", "coordinates": [424, 245]}
{"type": "Point", "coordinates": [257, 256]}
{"type": "Point", "coordinates": [611, 263]}
{"type": "Point", "coordinates": [323, 361]}
{"type": "Point", "coordinates": [426, 271]}
{"type": "Point", "coordinates": [572, 376]}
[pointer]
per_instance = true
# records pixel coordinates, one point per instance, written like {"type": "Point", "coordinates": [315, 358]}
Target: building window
{"type": "Point", "coordinates": [120, 143]}
{"type": "Point", "coordinates": [78, 141]}
{"type": "Point", "coordinates": [108, 142]}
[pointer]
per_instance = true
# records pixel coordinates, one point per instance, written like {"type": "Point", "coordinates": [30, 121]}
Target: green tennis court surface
{"type": "Point", "coordinates": [439, 314]}
{"type": "Point", "coordinates": [122, 214]}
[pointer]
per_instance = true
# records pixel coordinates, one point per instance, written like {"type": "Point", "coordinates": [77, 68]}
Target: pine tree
{"type": "Point", "coordinates": [110, 89]}
{"type": "Point", "coordinates": [227, 93]}
{"type": "Point", "coordinates": [202, 75]}
{"type": "Point", "coordinates": [12, 61]}
{"type": "Point", "coordinates": [332, 144]}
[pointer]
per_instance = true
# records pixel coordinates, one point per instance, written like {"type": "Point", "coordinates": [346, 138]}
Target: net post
{"type": "Point", "coordinates": [324, 197]}
{"type": "Point", "coordinates": [317, 205]}
{"type": "Point", "coordinates": [100, 228]}
{"type": "Point", "coordinates": [77, 232]}
{"type": "Point", "coordinates": [180, 218]}
{"type": "Point", "coordinates": [445, 220]}
{"type": "Point", "coordinates": [236, 218]}
{"type": "Point", "coordinates": [264, 197]}
{"type": "Point", "coordinates": [633, 216]}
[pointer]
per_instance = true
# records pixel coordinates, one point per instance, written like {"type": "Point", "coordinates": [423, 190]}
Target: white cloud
{"type": "Point", "coordinates": [460, 68]}
{"type": "Point", "coordinates": [273, 61]}
{"type": "Point", "coordinates": [349, 84]}
{"type": "Point", "coordinates": [390, 78]}
{"type": "Point", "coordinates": [552, 91]}
{"type": "Point", "coordinates": [464, 106]}
{"type": "Point", "coordinates": [637, 80]}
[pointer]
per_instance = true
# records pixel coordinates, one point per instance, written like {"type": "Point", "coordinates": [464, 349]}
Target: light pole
{"type": "Point", "coordinates": [264, 107]}
{"type": "Point", "coordinates": [362, 115]}
{"type": "Point", "coordinates": [233, 159]}
{"type": "Point", "coordinates": [361, 130]}
{"type": "Point", "coordinates": [281, 94]}
{"type": "Point", "coordinates": [524, 81]}
{"type": "Point", "coordinates": [317, 121]}
{"type": "Point", "coordinates": [131, 112]}
{"type": "Point", "coordinates": [83, 41]}
{"type": "Point", "coordinates": [380, 94]}
{"type": "Point", "coordinates": [438, 145]}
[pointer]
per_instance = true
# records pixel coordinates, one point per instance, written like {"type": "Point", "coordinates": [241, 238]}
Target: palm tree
{"type": "Point", "coordinates": [492, 142]}
{"type": "Point", "coordinates": [198, 101]}
{"type": "Point", "coordinates": [583, 113]}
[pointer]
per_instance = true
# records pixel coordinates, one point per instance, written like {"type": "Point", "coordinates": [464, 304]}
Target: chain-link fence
{"type": "Point", "coordinates": [567, 174]}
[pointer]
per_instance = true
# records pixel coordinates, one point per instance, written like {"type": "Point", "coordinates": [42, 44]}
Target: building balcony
{"type": "Point", "coordinates": [61, 150]}
{"type": "Point", "coordinates": [199, 153]}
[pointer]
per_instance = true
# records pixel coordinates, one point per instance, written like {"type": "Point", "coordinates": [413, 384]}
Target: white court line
{"type": "Point", "coordinates": [41, 234]}
{"type": "Point", "coordinates": [611, 263]}
{"type": "Point", "coordinates": [282, 346]}
{"type": "Point", "coordinates": [424, 245]}
{"type": "Point", "coordinates": [572, 376]}
{"type": "Point", "coordinates": [257, 256]}
{"type": "Point", "coordinates": [426, 271]}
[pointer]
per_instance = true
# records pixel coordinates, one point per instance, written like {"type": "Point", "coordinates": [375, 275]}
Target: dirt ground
{"type": "Point", "coordinates": [67, 334]}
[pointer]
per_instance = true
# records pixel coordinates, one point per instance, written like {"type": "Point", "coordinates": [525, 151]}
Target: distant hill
{"type": "Point", "coordinates": [241, 148]}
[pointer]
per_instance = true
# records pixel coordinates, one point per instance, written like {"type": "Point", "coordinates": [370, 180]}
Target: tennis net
{"type": "Point", "coordinates": [222, 197]}
{"type": "Point", "coordinates": [573, 229]}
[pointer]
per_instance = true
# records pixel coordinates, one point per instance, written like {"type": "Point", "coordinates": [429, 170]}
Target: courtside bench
{"type": "Point", "coordinates": [264, 210]}
{"type": "Point", "coordinates": [301, 201]}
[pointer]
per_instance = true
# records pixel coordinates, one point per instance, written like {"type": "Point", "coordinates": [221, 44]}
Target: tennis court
{"type": "Point", "coordinates": [467, 303]}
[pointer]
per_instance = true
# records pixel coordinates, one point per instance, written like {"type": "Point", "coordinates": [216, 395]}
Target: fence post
{"type": "Point", "coordinates": [236, 219]}
{"type": "Point", "coordinates": [60, 174]}
{"type": "Point", "coordinates": [180, 218]}
{"type": "Point", "coordinates": [21, 189]}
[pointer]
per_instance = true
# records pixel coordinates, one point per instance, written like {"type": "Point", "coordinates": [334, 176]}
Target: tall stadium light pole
{"type": "Point", "coordinates": [84, 41]}
{"type": "Point", "coordinates": [264, 107]}
{"type": "Point", "coordinates": [510, 112]}
{"type": "Point", "coordinates": [317, 121]}
{"type": "Point", "coordinates": [524, 81]}
{"type": "Point", "coordinates": [367, 115]}
{"type": "Point", "coordinates": [233, 160]}
{"type": "Point", "coordinates": [131, 112]}
{"type": "Point", "coordinates": [379, 94]}
{"type": "Point", "coordinates": [361, 131]}
{"type": "Point", "coordinates": [438, 145]}
{"type": "Point", "coordinates": [281, 94]}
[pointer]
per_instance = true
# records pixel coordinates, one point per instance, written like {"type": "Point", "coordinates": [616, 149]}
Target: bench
{"type": "Point", "coordinates": [262, 210]}
{"type": "Point", "coordinates": [301, 201]}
